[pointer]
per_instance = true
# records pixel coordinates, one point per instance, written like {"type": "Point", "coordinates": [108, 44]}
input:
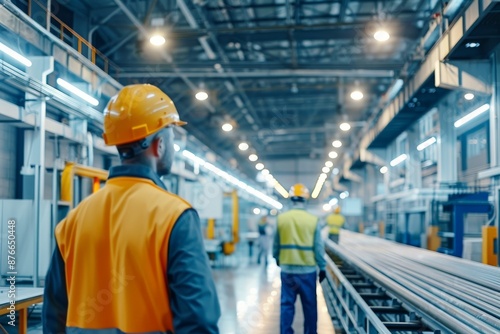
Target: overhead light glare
{"type": "Point", "coordinates": [157, 40]}
{"type": "Point", "coordinates": [472, 45]}
{"type": "Point", "coordinates": [13, 54]}
{"type": "Point", "coordinates": [265, 172]}
{"type": "Point", "coordinates": [227, 127]}
{"type": "Point", "coordinates": [345, 126]}
{"type": "Point", "coordinates": [325, 169]}
{"type": "Point", "coordinates": [344, 195]}
{"type": "Point", "coordinates": [259, 166]}
{"type": "Point", "coordinates": [243, 146]}
{"type": "Point", "coordinates": [256, 211]}
{"type": "Point", "coordinates": [334, 201]}
{"type": "Point", "coordinates": [327, 207]}
{"type": "Point", "coordinates": [357, 95]}
{"type": "Point", "coordinates": [84, 96]}
{"type": "Point", "coordinates": [253, 157]}
{"type": "Point", "coordinates": [384, 169]}
{"type": "Point", "coordinates": [336, 143]}
{"type": "Point", "coordinates": [427, 143]}
{"type": "Point", "coordinates": [177, 148]}
{"type": "Point", "coordinates": [329, 164]}
{"type": "Point", "coordinates": [472, 115]}
{"type": "Point", "coordinates": [381, 36]}
{"type": "Point", "coordinates": [333, 154]}
{"type": "Point", "coordinates": [201, 95]}
{"type": "Point", "coordinates": [469, 96]}
{"type": "Point", "coordinates": [398, 160]}
{"type": "Point", "coordinates": [335, 171]}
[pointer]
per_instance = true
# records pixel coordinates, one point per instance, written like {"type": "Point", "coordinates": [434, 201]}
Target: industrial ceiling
{"type": "Point", "coordinates": [280, 72]}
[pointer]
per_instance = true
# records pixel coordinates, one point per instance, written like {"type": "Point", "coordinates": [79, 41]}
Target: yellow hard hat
{"type": "Point", "coordinates": [299, 190]}
{"type": "Point", "coordinates": [337, 209]}
{"type": "Point", "coordinates": [136, 112]}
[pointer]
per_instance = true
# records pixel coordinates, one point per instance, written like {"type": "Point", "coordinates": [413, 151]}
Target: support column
{"type": "Point", "coordinates": [414, 174]}
{"type": "Point", "coordinates": [42, 67]}
{"type": "Point", "coordinates": [447, 145]}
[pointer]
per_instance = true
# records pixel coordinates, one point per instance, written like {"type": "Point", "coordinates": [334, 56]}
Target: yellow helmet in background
{"type": "Point", "coordinates": [337, 210]}
{"type": "Point", "coordinates": [299, 190]}
{"type": "Point", "coordinates": [136, 112]}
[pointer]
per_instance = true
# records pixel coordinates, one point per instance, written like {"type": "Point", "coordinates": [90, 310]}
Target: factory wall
{"type": "Point", "coordinates": [8, 149]}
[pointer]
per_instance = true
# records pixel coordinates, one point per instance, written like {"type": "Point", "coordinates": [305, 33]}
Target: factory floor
{"type": "Point", "coordinates": [249, 295]}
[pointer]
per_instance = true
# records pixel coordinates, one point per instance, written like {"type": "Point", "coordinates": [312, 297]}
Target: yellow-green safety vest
{"type": "Point", "coordinates": [296, 230]}
{"type": "Point", "coordinates": [335, 221]}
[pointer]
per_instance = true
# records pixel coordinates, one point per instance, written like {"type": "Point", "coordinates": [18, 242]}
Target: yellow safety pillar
{"type": "Point", "coordinates": [211, 229]}
{"type": "Point", "coordinates": [433, 240]}
{"type": "Point", "coordinates": [489, 237]}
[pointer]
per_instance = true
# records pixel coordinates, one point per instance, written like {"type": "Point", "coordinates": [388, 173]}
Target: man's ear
{"type": "Point", "coordinates": [158, 146]}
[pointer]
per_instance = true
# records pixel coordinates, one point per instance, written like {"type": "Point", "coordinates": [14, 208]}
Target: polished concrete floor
{"type": "Point", "coordinates": [250, 299]}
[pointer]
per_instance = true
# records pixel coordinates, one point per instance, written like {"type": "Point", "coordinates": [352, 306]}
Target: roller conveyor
{"type": "Point", "coordinates": [378, 286]}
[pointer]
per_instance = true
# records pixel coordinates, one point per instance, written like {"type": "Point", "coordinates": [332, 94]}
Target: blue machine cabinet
{"type": "Point", "coordinates": [459, 205]}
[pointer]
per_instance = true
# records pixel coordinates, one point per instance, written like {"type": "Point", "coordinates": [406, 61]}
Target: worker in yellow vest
{"type": "Point", "coordinates": [335, 221]}
{"type": "Point", "coordinates": [299, 251]}
{"type": "Point", "coordinates": [130, 258]}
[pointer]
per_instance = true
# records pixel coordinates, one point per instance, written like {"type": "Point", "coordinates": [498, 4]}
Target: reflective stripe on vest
{"type": "Point", "coordinates": [296, 230]}
{"type": "Point", "coordinates": [335, 222]}
{"type": "Point", "coordinates": [115, 249]}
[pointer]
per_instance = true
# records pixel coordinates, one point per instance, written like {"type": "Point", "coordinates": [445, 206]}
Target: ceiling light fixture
{"type": "Point", "coordinates": [426, 143]}
{"type": "Point", "coordinates": [472, 45]}
{"type": "Point", "coordinates": [472, 115]}
{"type": "Point", "coordinates": [157, 40]}
{"type": "Point", "coordinates": [13, 54]}
{"type": "Point", "coordinates": [337, 143]}
{"type": "Point", "coordinates": [384, 169]}
{"type": "Point", "coordinates": [243, 146]}
{"type": "Point", "coordinates": [177, 148]}
{"type": "Point", "coordinates": [333, 154]}
{"type": "Point", "coordinates": [327, 207]}
{"type": "Point", "coordinates": [253, 157]}
{"type": "Point", "coordinates": [345, 126]}
{"type": "Point", "coordinates": [81, 94]}
{"type": "Point", "coordinates": [469, 96]}
{"type": "Point", "coordinates": [265, 172]}
{"type": "Point", "coordinates": [357, 95]}
{"type": "Point", "coordinates": [329, 164]}
{"type": "Point", "coordinates": [398, 160]}
{"type": "Point", "coordinates": [201, 95]}
{"type": "Point", "coordinates": [227, 127]}
{"type": "Point", "coordinates": [259, 166]}
{"type": "Point", "coordinates": [256, 211]}
{"type": "Point", "coordinates": [325, 170]}
{"type": "Point", "coordinates": [381, 36]}
{"type": "Point", "coordinates": [335, 171]}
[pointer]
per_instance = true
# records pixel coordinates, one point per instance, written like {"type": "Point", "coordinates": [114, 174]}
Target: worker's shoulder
{"type": "Point", "coordinates": [162, 194]}
{"type": "Point", "coordinates": [295, 212]}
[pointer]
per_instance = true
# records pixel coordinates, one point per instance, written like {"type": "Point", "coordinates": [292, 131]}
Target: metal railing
{"type": "Point", "coordinates": [66, 34]}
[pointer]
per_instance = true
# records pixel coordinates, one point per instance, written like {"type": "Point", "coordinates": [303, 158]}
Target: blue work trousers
{"type": "Point", "coordinates": [303, 285]}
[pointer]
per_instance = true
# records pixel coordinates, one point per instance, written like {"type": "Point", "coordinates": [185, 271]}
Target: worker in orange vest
{"type": "Point", "coordinates": [130, 257]}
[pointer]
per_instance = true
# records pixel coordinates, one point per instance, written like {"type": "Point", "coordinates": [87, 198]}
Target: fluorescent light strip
{"type": "Point", "coordinates": [13, 54]}
{"type": "Point", "coordinates": [319, 186]}
{"type": "Point", "coordinates": [231, 179]}
{"type": "Point", "coordinates": [426, 143]}
{"type": "Point", "coordinates": [84, 96]}
{"type": "Point", "coordinates": [472, 115]}
{"type": "Point", "coordinates": [282, 191]}
{"type": "Point", "coordinates": [398, 160]}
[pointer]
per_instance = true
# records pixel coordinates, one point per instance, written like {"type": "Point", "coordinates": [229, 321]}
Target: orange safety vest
{"type": "Point", "coordinates": [115, 249]}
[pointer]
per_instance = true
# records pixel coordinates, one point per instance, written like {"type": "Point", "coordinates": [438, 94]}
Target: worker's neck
{"type": "Point", "coordinates": [140, 161]}
{"type": "Point", "coordinates": [299, 205]}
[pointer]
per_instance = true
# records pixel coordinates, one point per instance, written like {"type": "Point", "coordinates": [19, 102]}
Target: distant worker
{"type": "Point", "coordinates": [265, 237]}
{"type": "Point", "coordinates": [130, 258]}
{"type": "Point", "coordinates": [298, 249]}
{"type": "Point", "coordinates": [335, 221]}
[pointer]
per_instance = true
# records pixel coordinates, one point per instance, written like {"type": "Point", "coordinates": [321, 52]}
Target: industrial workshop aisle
{"type": "Point", "coordinates": [249, 295]}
